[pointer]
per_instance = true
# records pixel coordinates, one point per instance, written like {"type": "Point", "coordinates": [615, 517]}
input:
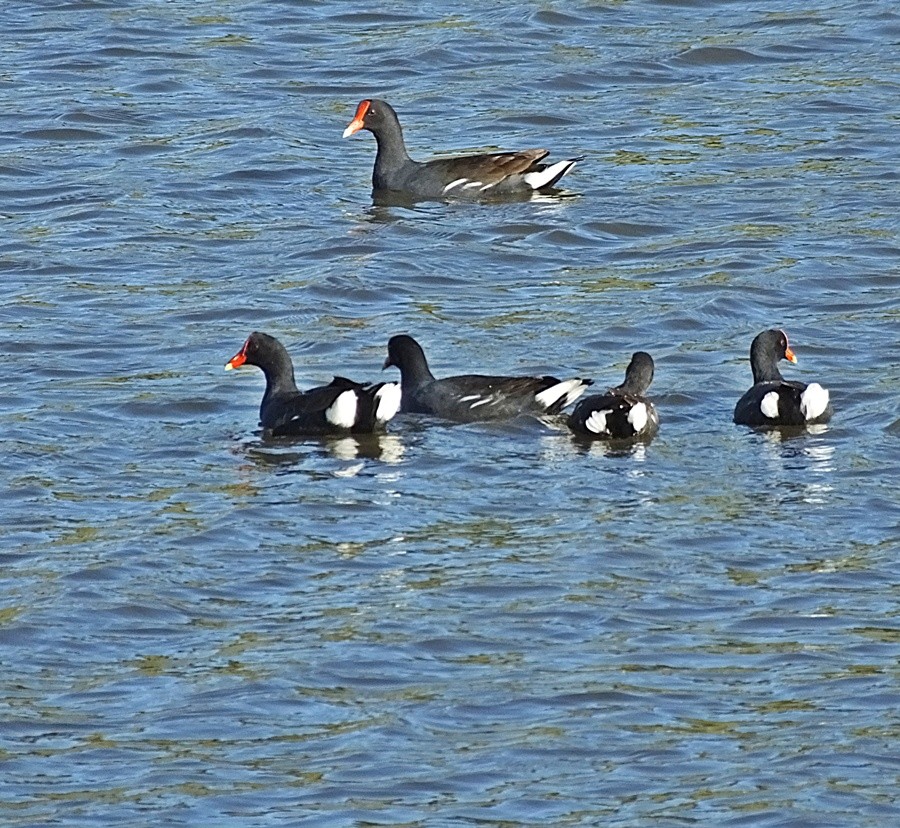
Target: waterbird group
{"type": "Point", "coordinates": [621, 413]}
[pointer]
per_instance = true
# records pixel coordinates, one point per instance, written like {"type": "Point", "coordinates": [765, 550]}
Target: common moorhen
{"type": "Point", "coordinates": [474, 397]}
{"type": "Point", "coordinates": [773, 400]}
{"type": "Point", "coordinates": [623, 412]}
{"type": "Point", "coordinates": [468, 176]}
{"type": "Point", "coordinates": [340, 407]}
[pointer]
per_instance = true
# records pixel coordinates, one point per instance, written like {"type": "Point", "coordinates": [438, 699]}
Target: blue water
{"type": "Point", "coordinates": [446, 625]}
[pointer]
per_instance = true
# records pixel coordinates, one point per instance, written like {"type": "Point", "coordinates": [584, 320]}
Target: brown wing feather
{"type": "Point", "coordinates": [490, 167]}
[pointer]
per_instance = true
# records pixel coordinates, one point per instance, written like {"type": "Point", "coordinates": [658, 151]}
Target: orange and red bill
{"type": "Point", "coordinates": [359, 120]}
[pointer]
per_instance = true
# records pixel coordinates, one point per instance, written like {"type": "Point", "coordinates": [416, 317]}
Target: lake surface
{"type": "Point", "coordinates": [446, 625]}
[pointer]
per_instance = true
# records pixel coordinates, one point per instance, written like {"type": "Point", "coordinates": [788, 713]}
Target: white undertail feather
{"type": "Point", "coordinates": [453, 184]}
{"type": "Point", "coordinates": [342, 412]}
{"type": "Point", "coordinates": [542, 178]}
{"type": "Point", "coordinates": [813, 401]}
{"type": "Point", "coordinates": [596, 422]}
{"type": "Point", "coordinates": [388, 401]}
{"type": "Point", "coordinates": [638, 416]}
{"type": "Point", "coordinates": [769, 405]}
{"type": "Point", "coordinates": [570, 389]}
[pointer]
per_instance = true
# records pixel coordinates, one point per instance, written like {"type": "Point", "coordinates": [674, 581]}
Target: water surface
{"type": "Point", "coordinates": [446, 625]}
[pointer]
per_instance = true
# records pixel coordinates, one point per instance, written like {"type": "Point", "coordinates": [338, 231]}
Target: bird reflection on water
{"type": "Point", "coordinates": [796, 449]}
{"type": "Point", "coordinates": [290, 453]}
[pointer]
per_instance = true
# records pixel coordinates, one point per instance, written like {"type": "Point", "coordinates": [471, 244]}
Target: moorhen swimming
{"type": "Point", "coordinates": [623, 412]}
{"type": "Point", "coordinates": [474, 397]}
{"type": "Point", "coordinates": [467, 176]}
{"type": "Point", "coordinates": [773, 400]}
{"type": "Point", "coordinates": [340, 407]}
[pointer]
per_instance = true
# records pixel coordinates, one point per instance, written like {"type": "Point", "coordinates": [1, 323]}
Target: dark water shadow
{"type": "Point", "coordinates": [289, 452]}
{"type": "Point", "coordinates": [787, 433]}
{"type": "Point", "coordinates": [717, 56]}
{"type": "Point", "coordinates": [392, 211]}
{"type": "Point", "coordinates": [392, 198]}
{"type": "Point", "coordinates": [634, 447]}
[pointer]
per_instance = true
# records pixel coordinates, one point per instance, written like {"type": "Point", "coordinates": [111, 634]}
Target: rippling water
{"type": "Point", "coordinates": [446, 625]}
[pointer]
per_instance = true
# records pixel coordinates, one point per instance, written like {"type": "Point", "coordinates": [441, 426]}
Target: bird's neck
{"type": "Point", "coordinates": [391, 155]}
{"type": "Point", "coordinates": [632, 385]}
{"type": "Point", "coordinates": [767, 373]}
{"type": "Point", "coordinates": [415, 374]}
{"type": "Point", "coordinates": [765, 370]}
{"type": "Point", "coordinates": [279, 380]}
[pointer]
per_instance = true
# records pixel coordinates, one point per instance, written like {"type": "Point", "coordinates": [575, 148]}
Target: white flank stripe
{"type": "Point", "coordinates": [638, 416]}
{"type": "Point", "coordinates": [342, 412]}
{"type": "Point", "coordinates": [453, 184]}
{"type": "Point", "coordinates": [483, 401]}
{"type": "Point", "coordinates": [813, 401]}
{"type": "Point", "coordinates": [536, 180]}
{"type": "Point", "coordinates": [388, 399]}
{"type": "Point", "coordinates": [472, 184]}
{"type": "Point", "coordinates": [570, 389]}
{"type": "Point", "coordinates": [596, 422]}
{"type": "Point", "coordinates": [769, 405]}
{"type": "Point", "coordinates": [487, 186]}
{"type": "Point", "coordinates": [470, 397]}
